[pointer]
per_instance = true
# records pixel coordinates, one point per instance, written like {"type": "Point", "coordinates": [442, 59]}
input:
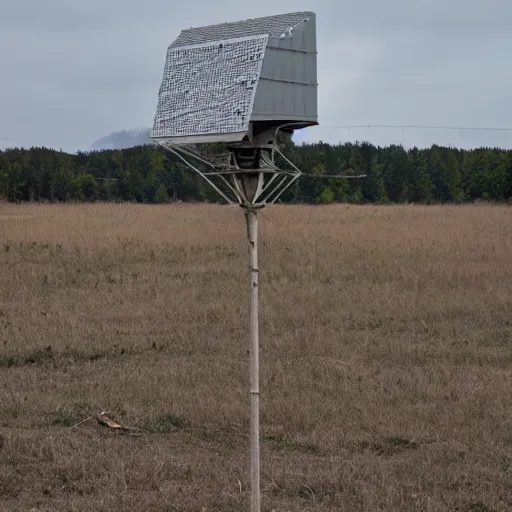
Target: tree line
{"type": "Point", "coordinates": [149, 174]}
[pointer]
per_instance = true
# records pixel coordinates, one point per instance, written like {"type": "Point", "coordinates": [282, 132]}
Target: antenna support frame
{"type": "Point", "coordinates": [246, 172]}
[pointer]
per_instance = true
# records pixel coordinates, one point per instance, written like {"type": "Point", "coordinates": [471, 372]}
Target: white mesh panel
{"type": "Point", "coordinates": [209, 89]}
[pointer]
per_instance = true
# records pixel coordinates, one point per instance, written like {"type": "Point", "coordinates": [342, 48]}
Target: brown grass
{"type": "Point", "coordinates": [386, 358]}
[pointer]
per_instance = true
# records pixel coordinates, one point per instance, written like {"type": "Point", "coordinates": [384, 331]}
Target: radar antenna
{"type": "Point", "coordinates": [229, 92]}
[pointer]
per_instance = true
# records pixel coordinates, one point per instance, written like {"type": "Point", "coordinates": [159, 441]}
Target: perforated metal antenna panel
{"type": "Point", "coordinates": [209, 89]}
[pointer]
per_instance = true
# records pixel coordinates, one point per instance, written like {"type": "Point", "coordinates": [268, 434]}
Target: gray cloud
{"type": "Point", "coordinates": [72, 72]}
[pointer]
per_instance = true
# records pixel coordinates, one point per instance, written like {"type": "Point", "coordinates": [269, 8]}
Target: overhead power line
{"type": "Point", "coordinates": [424, 127]}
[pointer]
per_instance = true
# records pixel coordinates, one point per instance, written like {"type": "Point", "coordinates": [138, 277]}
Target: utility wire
{"type": "Point", "coordinates": [347, 177]}
{"type": "Point", "coordinates": [425, 127]}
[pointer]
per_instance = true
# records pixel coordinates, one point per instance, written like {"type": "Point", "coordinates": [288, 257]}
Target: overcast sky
{"type": "Point", "coordinates": [73, 71]}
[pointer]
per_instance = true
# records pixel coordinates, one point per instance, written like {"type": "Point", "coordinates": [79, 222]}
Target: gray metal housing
{"type": "Point", "coordinates": [221, 78]}
{"type": "Point", "coordinates": [287, 89]}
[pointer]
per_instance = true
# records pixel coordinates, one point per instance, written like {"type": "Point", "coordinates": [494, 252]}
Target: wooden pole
{"type": "Point", "coordinates": [252, 233]}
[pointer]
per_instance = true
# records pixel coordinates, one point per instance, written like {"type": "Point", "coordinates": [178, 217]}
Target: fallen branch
{"type": "Point", "coordinates": [104, 420]}
{"type": "Point", "coordinates": [80, 422]}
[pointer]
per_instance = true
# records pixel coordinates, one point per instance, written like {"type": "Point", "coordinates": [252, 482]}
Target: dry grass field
{"type": "Point", "coordinates": [386, 352]}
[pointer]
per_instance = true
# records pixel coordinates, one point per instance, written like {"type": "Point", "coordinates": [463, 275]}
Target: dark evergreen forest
{"type": "Point", "coordinates": [149, 174]}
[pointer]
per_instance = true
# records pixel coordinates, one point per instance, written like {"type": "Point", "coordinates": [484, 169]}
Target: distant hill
{"type": "Point", "coordinates": [122, 140]}
{"type": "Point", "coordinates": [125, 139]}
{"type": "Point", "coordinates": [130, 138]}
